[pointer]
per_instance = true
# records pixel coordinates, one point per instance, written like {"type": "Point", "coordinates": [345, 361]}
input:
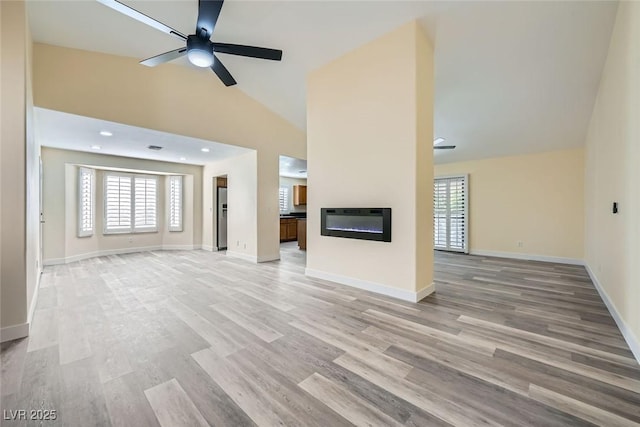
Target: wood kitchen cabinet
{"type": "Point", "coordinates": [302, 234]}
{"type": "Point", "coordinates": [288, 229]}
{"type": "Point", "coordinates": [299, 195]}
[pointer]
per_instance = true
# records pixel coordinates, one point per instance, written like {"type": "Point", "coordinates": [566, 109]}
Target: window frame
{"type": "Point", "coordinates": [92, 173]}
{"type": "Point", "coordinates": [180, 227]}
{"type": "Point", "coordinates": [465, 248]}
{"type": "Point", "coordinates": [132, 228]}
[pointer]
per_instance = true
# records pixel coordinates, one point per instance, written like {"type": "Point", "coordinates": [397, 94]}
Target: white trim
{"type": "Point", "coordinates": [14, 332]}
{"type": "Point", "coordinates": [530, 257]}
{"type": "Point", "coordinates": [80, 257]}
{"type": "Point", "coordinates": [208, 248]}
{"type": "Point", "coordinates": [267, 258]}
{"type": "Point", "coordinates": [425, 292]}
{"type": "Point", "coordinates": [632, 341]}
{"type": "Point", "coordinates": [239, 255]}
{"type": "Point", "coordinates": [34, 299]}
{"type": "Point", "coordinates": [371, 286]}
{"type": "Point", "coordinates": [180, 247]}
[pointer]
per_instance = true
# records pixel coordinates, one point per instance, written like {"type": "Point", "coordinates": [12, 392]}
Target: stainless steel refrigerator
{"type": "Point", "coordinates": [222, 218]}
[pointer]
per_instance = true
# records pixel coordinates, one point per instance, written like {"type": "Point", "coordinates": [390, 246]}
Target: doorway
{"type": "Point", "coordinates": [221, 217]}
{"type": "Point", "coordinates": [292, 201]}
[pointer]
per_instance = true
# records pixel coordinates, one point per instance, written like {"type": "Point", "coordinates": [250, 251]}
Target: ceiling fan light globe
{"type": "Point", "coordinates": [200, 57]}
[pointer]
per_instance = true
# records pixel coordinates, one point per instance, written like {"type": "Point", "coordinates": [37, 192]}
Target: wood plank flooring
{"type": "Point", "coordinates": [196, 338]}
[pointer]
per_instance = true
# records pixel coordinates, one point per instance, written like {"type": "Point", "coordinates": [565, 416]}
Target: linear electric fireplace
{"type": "Point", "coordinates": [357, 223]}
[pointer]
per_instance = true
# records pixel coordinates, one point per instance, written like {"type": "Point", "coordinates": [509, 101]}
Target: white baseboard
{"type": "Point", "coordinates": [267, 258]}
{"type": "Point", "coordinates": [239, 255]}
{"type": "Point", "coordinates": [208, 248]}
{"type": "Point", "coordinates": [371, 286]}
{"type": "Point", "coordinates": [34, 299]}
{"type": "Point", "coordinates": [14, 332]}
{"type": "Point", "coordinates": [529, 257]}
{"type": "Point", "coordinates": [121, 251]}
{"type": "Point", "coordinates": [627, 333]}
{"type": "Point", "coordinates": [180, 247]}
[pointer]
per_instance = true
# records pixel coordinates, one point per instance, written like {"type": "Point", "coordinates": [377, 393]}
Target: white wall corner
{"type": "Point", "coordinates": [208, 248]}
{"type": "Point", "coordinates": [631, 339]}
{"type": "Point", "coordinates": [528, 257]}
{"type": "Point", "coordinates": [378, 288]}
{"type": "Point", "coordinates": [14, 332]}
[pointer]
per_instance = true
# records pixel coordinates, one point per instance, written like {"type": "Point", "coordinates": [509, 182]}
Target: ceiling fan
{"type": "Point", "coordinates": [438, 141]}
{"type": "Point", "coordinates": [200, 50]}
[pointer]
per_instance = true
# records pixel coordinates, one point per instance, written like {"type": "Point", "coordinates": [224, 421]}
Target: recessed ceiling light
{"type": "Point", "coordinates": [105, 133]}
{"type": "Point", "coordinates": [95, 147]}
{"type": "Point", "coordinates": [204, 150]}
{"type": "Point", "coordinates": [183, 158]}
{"type": "Point", "coordinates": [438, 141]}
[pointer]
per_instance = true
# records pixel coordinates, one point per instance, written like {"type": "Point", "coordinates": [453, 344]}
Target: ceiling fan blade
{"type": "Point", "coordinates": [444, 147]}
{"type": "Point", "coordinates": [208, 12]}
{"type": "Point", "coordinates": [250, 51]}
{"type": "Point", "coordinates": [164, 57]}
{"type": "Point", "coordinates": [222, 72]}
{"type": "Point", "coordinates": [139, 16]}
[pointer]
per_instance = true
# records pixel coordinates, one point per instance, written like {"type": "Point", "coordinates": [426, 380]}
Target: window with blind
{"type": "Point", "coordinates": [175, 203]}
{"type": "Point", "coordinates": [284, 199]}
{"type": "Point", "coordinates": [86, 202]}
{"type": "Point", "coordinates": [130, 203]}
{"type": "Point", "coordinates": [450, 213]}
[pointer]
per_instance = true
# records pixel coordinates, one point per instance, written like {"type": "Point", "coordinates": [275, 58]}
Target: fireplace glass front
{"type": "Point", "coordinates": [357, 223]}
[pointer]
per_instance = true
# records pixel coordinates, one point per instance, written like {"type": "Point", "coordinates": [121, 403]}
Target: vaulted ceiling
{"type": "Point", "coordinates": [511, 77]}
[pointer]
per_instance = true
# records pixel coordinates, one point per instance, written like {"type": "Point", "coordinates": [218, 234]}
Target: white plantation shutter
{"type": "Point", "coordinates": [145, 203]}
{"type": "Point", "coordinates": [450, 212]}
{"type": "Point", "coordinates": [175, 203]}
{"type": "Point", "coordinates": [117, 203]}
{"type": "Point", "coordinates": [284, 199]}
{"type": "Point", "coordinates": [86, 202]}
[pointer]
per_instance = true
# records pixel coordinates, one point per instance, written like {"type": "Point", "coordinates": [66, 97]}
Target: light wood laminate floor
{"type": "Point", "coordinates": [196, 338]}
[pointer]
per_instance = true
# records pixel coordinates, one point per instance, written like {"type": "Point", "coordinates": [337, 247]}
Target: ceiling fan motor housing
{"type": "Point", "coordinates": [199, 51]}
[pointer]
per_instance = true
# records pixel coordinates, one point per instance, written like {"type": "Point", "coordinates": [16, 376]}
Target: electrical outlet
{"type": "Point", "coordinates": [520, 243]}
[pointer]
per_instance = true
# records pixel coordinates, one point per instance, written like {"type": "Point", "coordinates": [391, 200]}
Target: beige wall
{"type": "Point", "coordinates": [176, 99]}
{"type": "Point", "coordinates": [289, 183]}
{"type": "Point", "coordinates": [536, 199]}
{"type": "Point", "coordinates": [613, 175]}
{"type": "Point", "coordinates": [19, 175]}
{"type": "Point", "coordinates": [369, 132]}
{"type": "Point", "coordinates": [61, 241]}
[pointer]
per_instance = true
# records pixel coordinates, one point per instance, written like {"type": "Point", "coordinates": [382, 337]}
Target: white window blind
{"type": "Point", "coordinates": [130, 203]}
{"type": "Point", "coordinates": [146, 198]}
{"type": "Point", "coordinates": [284, 199]}
{"type": "Point", "coordinates": [86, 202]}
{"type": "Point", "coordinates": [117, 204]}
{"type": "Point", "coordinates": [450, 212]}
{"type": "Point", "coordinates": [175, 203]}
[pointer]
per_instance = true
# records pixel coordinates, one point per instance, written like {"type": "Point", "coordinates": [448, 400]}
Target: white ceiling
{"type": "Point", "coordinates": [510, 77]}
{"type": "Point", "coordinates": [291, 167]}
{"type": "Point", "coordinates": [71, 132]}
